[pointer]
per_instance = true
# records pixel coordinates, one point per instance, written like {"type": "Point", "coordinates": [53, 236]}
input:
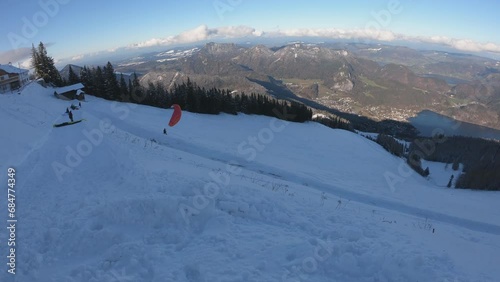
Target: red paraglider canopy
{"type": "Point", "coordinates": [176, 116]}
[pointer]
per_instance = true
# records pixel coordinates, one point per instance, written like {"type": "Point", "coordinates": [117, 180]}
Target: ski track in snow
{"type": "Point", "coordinates": [116, 215]}
{"type": "Point", "coordinates": [260, 168]}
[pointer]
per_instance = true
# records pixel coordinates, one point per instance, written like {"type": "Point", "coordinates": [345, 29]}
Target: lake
{"type": "Point", "coordinates": [429, 122]}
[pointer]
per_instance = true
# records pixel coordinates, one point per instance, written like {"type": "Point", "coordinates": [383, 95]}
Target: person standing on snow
{"type": "Point", "coordinates": [71, 116]}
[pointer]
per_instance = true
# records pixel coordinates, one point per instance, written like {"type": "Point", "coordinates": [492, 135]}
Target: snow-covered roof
{"type": "Point", "coordinates": [65, 89]}
{"type": "Point", "coordinates": [12, 69]}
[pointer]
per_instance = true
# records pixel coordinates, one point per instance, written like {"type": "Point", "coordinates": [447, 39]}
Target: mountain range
{"type": "Point", "coordinates": [377, 81]}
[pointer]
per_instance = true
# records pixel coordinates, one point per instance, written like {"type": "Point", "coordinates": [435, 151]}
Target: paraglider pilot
{"type": "Point", "coordinates": [164, 131]}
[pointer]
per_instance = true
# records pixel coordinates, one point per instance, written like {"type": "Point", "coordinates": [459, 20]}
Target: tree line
{"type": "Point", "coordinates": [480, 159]}
{"type": "Point", "coordinates": [392, 145]}
{"type": "Point", "coordinates": [334, 122]}
{"type": "Point", "coordinates": [102, 82]}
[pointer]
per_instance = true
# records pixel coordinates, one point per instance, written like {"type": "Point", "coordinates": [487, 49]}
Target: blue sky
{"type": "Point", "coordinates": [72, 28]}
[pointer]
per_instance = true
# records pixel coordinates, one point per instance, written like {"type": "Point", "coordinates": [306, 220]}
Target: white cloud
{"type": "Point", "coordinates": [201, 33]}
{"type": "Point", "coordinates": [204, 33]}
{"type": "Point", "coordinates": [15, 56]}
{"type": "Point", "coordinates": [334, 33]}
{"type": "Point", "coordinates": [25, 64]}
{"type": "Point", "coordinates": [22, 56]}
{"type": "Point", "coordinates": [198, 34]}
{"type": "Point", "coordinates": [386, 35]}
{"type": "Point", "coordinates": [234, 31]}
{"type": "Point", "coordinates": [462, 44]}
{"type": "Point", "coordinates": [77, 57]}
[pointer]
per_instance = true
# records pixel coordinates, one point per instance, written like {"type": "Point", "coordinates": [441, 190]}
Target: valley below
{"type": "Point", "coordinates": [383, 83]}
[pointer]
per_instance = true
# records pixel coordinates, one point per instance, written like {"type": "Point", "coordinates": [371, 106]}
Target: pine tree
{"type": "Point", "coordinates": [44, 66]}
{"type": "Point", "coordinates": [87, 79]}
{"type": "Point", "coordinates": [151, 94]}
{"type": "Point", "coordinates": [123, 87]}
{"type": "Point", "coordinates": [137, 93]}
{"type": "Point", "coordinates": [73, 78]}
{"type": "Point", "coordinates": [162, 95]}
{"type": "Point", "coordinates": [130, 91]}
{"type": "Point", "coordinates": [244, 104]}
{"type": "Point", "coordinates": [99, 83]}
{"type": "Point", "coordinates": [229, 104]}
{"type": "Point", "coordinates": [112, 89]}
{"type": "Point", "coordinates": [35, 61]}
{"type": "Point", "coordinates": [191, 97]}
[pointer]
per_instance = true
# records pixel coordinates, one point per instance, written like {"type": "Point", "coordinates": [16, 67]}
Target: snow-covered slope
{"type": "Point", "coordinates": [226, 198]}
